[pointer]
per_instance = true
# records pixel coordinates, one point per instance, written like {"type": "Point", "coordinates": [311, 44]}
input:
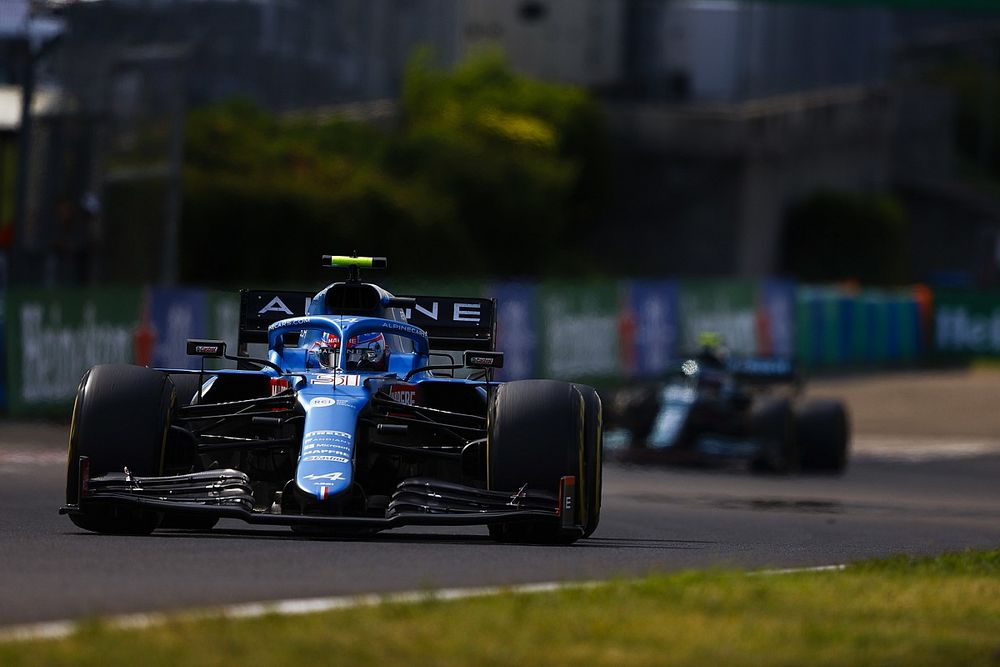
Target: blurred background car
{"type": "Point", "coordinates": [713, 409]}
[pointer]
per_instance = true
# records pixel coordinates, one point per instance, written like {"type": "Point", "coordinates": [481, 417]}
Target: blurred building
{"type": "Point", "coordinates": [729, 113]}
{"type": "Point", "coordinates": [728, 51]}
{"type": "Point", "coordinates": [574, 41]}
{"type": "Point", "coordinates": [129, 69]}
{"type": "Point", "coordinates": [725, 114]}
{"type": "Point", "coordinates": [282, 54]}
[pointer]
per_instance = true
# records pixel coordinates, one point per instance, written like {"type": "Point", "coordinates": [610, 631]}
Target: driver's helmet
{"type": "Point", "coordinates": [366, 352]}
{"type": "Point", "coordinates": [712, 352]}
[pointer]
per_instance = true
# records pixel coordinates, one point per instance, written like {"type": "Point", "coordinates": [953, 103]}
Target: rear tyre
{"type": "Point", "coordinates": [773, 425]}
{"type": "Point", "coordinates": [538, 434]}
{"type": "Point", "coordinates": [824, 433]}
{"type": "Point", "coordinates": [121, 418]}
{"type": "Point", "coordinates": [593, 455]}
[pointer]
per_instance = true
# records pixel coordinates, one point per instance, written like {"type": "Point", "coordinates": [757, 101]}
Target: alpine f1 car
{"type": "Point", "coordinates": [715, 411]}
{"type": "Point", "coordinates": [358, 419]}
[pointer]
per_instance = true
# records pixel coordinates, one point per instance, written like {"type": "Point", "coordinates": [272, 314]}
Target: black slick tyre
{"type": "Point", "coordinates": [823, 431]}
{"type": "Point", "coordinates": [537, 434]}
{"type": "Point", "coordinates": [773, 425]}
{"type": "Point", "coordinates": [593, 456]}
{"type": "Point", "coordinates": [121, 417]}
{"type": "Point", "coordinates": [187, 386]}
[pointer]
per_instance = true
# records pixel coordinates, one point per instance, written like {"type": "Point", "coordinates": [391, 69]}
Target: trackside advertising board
{"type": "Point", "coordinates": [599, 332]}
{"type": "Point", "coordinates": [579, 330]}
{"type": "Point", "coordinates": [967, 323]}
{"type": "Point", "coordinates": [725, 307]}
{"type": "Point", "coordinates": [517, 327]}
{"type": "Point", "coordinates": [837, 327]}
{"type": "Point", "coordinates": [648, 327]}
{"type": "Point", "coordinates": [53, 336]}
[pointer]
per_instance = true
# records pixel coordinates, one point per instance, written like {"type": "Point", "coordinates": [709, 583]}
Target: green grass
{"type": "Point", "coordinates": [899, 611]}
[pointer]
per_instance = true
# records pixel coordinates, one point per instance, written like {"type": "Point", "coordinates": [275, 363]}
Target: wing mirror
{"type": "Point", "coordinates": [484, 360]}
{"type": "Point", "coordinates": [206, 348]}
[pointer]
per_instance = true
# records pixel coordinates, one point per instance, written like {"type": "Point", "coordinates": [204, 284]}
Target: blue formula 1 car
{"type": "Point", "coordinates": [357, 419]}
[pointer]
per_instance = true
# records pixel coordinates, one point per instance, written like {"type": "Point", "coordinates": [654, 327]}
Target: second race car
{"type": "Point", "coordinates": [714, 409]}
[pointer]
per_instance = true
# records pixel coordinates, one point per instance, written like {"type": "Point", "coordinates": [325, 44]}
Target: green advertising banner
{"type": "Point", "coordinates": [579, 331]}
{"type": "Point", "coordinates": [725, 307]}
{"type": "Point", "coordinates": [53, 337]}
{"type": "Point", "coordinates": [224, 317]}
{"type": "Point", "coordinates": [967, 323]}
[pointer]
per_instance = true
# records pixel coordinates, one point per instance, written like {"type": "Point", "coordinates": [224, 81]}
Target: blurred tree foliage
{"type": "Point", "coordinates": [977, 111]}
{"type": "Point", "coordinates": [486, 173]}
{"type": "Point", "coordinates": [835, 236]}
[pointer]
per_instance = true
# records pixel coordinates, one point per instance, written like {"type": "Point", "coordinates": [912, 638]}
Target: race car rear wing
{"type": "Point", "coordinates": [455, 323]}
{"type": "Point", "coordinates": [451, 323]}
{"type": "Point", "coordinates": [259, 309]}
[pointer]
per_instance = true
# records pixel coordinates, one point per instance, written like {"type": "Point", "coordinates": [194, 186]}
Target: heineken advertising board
{"type": "Point", "coordinates": [54, 336]}
{"type": "Point", "coordinates": [967, 323]}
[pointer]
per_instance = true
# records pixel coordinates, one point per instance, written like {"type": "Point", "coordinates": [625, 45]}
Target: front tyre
{"type": "Point", "coordinates": [540, 431]}
{"type": "Point", "coordinates": [121, 417]}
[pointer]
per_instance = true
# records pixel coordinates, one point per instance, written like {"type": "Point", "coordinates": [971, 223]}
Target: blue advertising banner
{"type": "Point", "coordinates": [776, 318]}
{"type": "Point", "coordinates": [517, 323]}
{"type": "Point", "coordinates": [649, 328]}
{"type": "Point", "coordinates": [174, 316]}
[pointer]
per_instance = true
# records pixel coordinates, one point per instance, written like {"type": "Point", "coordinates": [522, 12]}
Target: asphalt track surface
{"type": "Point", "coordinates": [938, 499]}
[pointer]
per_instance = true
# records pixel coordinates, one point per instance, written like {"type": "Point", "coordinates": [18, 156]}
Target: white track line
{"type": "Point", "coordinates": [15, 456]}
{"type": "Point", "coordinates": [62, 629]}
{"type": "Point", "coordinates": [912, 449]}
{"type": "Point", "coordinates": [798, 570]}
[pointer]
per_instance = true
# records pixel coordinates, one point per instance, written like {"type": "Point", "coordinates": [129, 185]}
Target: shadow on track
{"type": "Point", "coordinates": [404, 538]}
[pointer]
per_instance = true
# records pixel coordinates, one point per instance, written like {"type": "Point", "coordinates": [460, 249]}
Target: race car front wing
{"type": "Point", "coordinates": [227, 494]}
